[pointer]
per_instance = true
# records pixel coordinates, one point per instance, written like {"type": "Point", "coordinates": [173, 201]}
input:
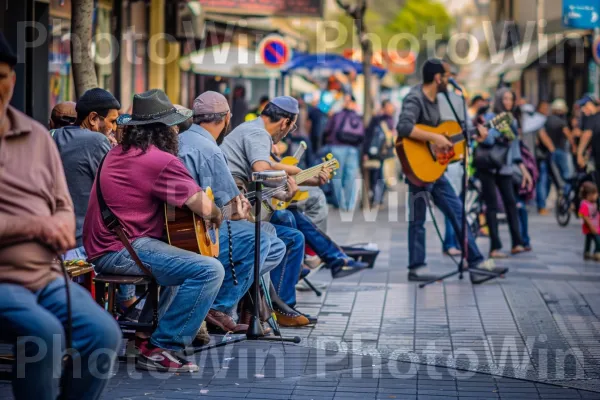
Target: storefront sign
{"type": "Point", "coordinates": [287, 8]}
{"type": "Point", "coordinates": [581, 14]}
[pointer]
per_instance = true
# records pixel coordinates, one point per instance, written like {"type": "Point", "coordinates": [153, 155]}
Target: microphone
{"type": "Point", "coordinates": [455, 84]}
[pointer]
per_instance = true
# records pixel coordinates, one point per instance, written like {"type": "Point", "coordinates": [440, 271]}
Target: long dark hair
{"type": "Point", "coordinates": [143, 136]}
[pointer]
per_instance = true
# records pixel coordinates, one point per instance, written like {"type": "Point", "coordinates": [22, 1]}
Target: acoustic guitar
{"type": "Point", "coordinates": [188, 231]}
{"type": "Point", "coordinates": [423, 164]}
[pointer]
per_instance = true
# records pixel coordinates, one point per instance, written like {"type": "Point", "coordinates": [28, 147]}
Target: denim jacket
{"type": "Point", "coordinates": [514, 149]}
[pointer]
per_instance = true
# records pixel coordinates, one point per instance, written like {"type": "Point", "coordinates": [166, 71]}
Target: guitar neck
{"type": "Point", "coordinates": [309, 173]}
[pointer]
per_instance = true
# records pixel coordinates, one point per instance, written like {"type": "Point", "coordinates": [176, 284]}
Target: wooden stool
{"type": "Point", "coordinates": [106, 288]}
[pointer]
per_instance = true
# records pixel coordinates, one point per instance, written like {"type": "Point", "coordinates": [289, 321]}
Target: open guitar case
{"type": "Point", "coordinates": [361, 252]}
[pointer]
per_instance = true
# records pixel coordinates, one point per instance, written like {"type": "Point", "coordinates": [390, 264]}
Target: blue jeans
{"type": "Point", "coordinates": [189, 285]}
{"type": "Point", "coordinates": [561, 159]}
{"type": "Point", "coordinates": [542, 187]}
{"type": "Point", "coordinates": [377, 185]}
{"type": "Point", "coordinates": [345, 182]}
{"type": "Point", "coordinates": [242, 234]}
{"type": "Point", "coordinates": [325, 248]}
{"type": "Point", "coordinates": [450, 240]}
{"type": "Point", "coordinates": [38, 321]}
{"type": "Point", "coordinates": [124, 293]}
{"type": "Point", "coordinates": [523, 221]}
{"type": "Point", "coordinates": [286, 275]}
{"type": "Point", "coordinates": [448, 202]}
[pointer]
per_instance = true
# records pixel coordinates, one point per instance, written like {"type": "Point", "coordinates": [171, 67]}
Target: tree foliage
{"type": "Point", "coordinates": [418, 15]}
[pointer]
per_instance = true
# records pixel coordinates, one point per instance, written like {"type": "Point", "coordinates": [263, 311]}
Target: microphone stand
{"type": "Point", "coordinates": [465, 183]}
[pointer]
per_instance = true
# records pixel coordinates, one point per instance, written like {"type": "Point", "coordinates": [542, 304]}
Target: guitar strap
{"type": "Point", "coordinates": [113, 224]}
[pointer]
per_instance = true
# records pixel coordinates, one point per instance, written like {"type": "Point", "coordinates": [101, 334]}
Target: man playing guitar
{"type": "Point", "coordinates": [248, 149]}
{"type": "Point", "coordinates": [420, 106]}
{"type": "Point", "coordinates": [199, 150]}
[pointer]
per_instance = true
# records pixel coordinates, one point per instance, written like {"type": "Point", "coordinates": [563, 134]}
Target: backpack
{"type": "Point", "coordinates": [380, 146]}
{"type": "Point", "coordinates": [351, 130]}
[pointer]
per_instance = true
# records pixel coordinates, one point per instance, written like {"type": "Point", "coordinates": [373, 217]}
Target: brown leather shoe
{"type": "Point", "coordinates": [202, 337]}
{"type": "Point", "coordinates": [246, 317]}
{"type": "Point", "coordinates": [221, 322]}
{"type": "Point", "coordinates": [291, 319]}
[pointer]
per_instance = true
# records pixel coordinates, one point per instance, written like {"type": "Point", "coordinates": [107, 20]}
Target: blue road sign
{"type": "Point", "coordinates": [581, 14]}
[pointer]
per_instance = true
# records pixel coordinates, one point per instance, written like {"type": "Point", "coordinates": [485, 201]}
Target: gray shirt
{"type": "Point", "coordinates": [81, 151]}
{"type": "Point", "coordinates": [246, 145]}
{"type": "Point", "coordinates": [207, 164]}
{"type": "Point", "coordinates": [417, 109]}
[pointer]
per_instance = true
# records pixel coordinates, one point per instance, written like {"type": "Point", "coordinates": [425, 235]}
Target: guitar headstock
{"type": "Point", "coordinates": [328, 157]}
{"type": "Point", "coordinates": [502, 120]}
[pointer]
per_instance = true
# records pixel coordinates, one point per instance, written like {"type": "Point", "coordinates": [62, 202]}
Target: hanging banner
{"type": "Point", "coordinates": [286, 8]}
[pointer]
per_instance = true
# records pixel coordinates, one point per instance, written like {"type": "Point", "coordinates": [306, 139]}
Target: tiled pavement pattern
{"type": "Point", "coordinates": [539, 323]}
{"type": "Point", "coordinates": [453, 334]}
{"type": "Point", "coordinates": [260, 371]}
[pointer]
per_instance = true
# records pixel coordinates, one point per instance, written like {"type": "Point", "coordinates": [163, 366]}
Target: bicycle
{"type": "Point", "coordinates": [568, 203]}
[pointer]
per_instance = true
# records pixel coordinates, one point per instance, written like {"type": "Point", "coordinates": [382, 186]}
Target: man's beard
{"type": "Point", "coordinates": [223, 133]}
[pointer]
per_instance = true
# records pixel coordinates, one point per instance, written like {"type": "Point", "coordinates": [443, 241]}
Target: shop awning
{"type": "Point", "coordinates": [302, 86]}
{"type": "Point", "coordinates": [227, 60]}
{"type": "Point", "coordinates": [326, 64]}
{"type": "Point", "coordinates": [510, 64]}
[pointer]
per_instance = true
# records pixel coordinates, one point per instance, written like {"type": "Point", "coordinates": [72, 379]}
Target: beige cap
{"type": "Point", "coordinates": [210, 103]}
{"type": "Point", "coordinates": [559, 105]}
{"type": "Point", "coordinates": [64, 109]}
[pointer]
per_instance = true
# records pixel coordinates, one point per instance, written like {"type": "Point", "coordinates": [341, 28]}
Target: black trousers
{"type": "Point", "coordinates": [592, 239]}
{"type": "Point", "coordinates": [489, 183]}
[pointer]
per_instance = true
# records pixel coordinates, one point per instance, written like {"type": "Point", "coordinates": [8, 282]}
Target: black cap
{"type": "Point", "coordinates": [7, 55]}
{"type": "Point", "coordinates": [96, 99]}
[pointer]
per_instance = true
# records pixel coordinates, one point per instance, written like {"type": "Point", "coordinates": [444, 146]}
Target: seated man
{"type": "Point", "coordinates": [82, 146]}
{"type": "Point", "coordinates": [37, 225]}
{"type": "Point", "coordinates": [248, 149]}
{"type": "Point", "coordinates": [63, 114]}
{"type": "Point", "coordinates": [206, 162]}
{"type": "Point", "coordinates": [137, 178]}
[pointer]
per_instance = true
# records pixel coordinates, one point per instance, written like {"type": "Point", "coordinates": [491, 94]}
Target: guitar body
{"type": "Point", "coordinates": [187, 231]}
{"type": "Point", "coordinates": [299, 196]}
{"type": "Point", "coordinates": [419, 162]}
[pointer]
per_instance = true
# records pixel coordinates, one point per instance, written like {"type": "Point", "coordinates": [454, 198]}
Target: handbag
{"type": "Point", "coordinates": [490, 157]}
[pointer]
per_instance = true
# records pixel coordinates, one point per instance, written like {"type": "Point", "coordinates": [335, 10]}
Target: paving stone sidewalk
{"type": "Point", "coordinates": [539, 323]}
{"type": "Point", "coordinates": [533, 335]}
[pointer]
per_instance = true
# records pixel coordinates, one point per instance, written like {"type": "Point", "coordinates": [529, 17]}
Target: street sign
{"type": "Point", "coordinates": [581, 14]}
{"type": "Point", "coordinates": [274, 51]}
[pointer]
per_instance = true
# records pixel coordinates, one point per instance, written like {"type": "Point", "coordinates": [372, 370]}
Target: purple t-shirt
{"type": "Point", "coordinates": [135, 186]}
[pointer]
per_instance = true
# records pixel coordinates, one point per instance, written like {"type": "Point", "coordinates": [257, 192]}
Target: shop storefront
{"type": "Point", "coordinates": [134, 68]}
{"type": "Point", "coordinates": [60, 78]}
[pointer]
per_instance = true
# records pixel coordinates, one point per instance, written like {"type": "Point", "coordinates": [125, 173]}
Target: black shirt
{"type": "Point", "coordinates": [81, 151]}
{"type": "Point", "coordinates": [417, 109]}
{"type": "Point", "coordinates": [554, 126]}
{"type": "Point", "coordinates": [592, 123]}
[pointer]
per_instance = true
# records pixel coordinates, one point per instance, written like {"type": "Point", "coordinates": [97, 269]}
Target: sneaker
{"type": "Point", "coordinates": [588, 256]}
{"type": "Point", "coordinates": [597, 256]}
{"type": "Point", "coordinates": [341, 267]}
{"type": "Point", "coordinates": [161, 360]}
{"type": "Point", "coordinates": [543, 211]}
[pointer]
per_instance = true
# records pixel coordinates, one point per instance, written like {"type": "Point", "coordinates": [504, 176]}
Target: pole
{"type": "Point", "coordinates": [597, 70]}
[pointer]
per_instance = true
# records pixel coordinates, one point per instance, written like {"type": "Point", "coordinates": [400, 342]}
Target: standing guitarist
{"type": "Point", "coordinates": [421, 107]}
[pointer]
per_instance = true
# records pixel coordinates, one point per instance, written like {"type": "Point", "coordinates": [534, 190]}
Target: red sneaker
{"type": "Point", "coordinates": [157, 359]}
